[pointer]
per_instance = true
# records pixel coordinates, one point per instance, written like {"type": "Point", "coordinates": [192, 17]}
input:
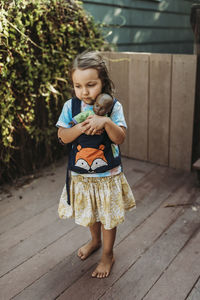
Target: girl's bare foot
{"type": "Point", "coordinates": [88, 249]}
{"type": "Point", "coordinates": [104, 267]}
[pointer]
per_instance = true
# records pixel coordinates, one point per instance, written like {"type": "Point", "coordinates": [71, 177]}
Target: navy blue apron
{"type": "Point", "coordinates": [90, 153]}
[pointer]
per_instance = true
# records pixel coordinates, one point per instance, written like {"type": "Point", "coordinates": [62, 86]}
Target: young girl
{"type": "Point", "coordinates": [97, 194]}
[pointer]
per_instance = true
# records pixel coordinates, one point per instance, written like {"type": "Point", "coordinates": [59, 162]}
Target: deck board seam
{"type": "Point", "coordinates": [157, 208]}
{"type": "Point", "coordinates": [193, 287]}
{"type": "Point", "coordinates": [194, 233]}
{"type": "Point", "coordinates": [38, 252]}
{"type": "Point", "coordinates": [145, 250]}
{"type": "Point", "coordinates": [179, 214]}
{"type": "Point", "coordinates": [117, 244]}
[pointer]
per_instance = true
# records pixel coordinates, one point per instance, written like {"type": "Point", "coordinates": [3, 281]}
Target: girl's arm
{"type": "Point", "coordinates": [68, 135]}
{"type": "Point", "coordinates": [116, 133]}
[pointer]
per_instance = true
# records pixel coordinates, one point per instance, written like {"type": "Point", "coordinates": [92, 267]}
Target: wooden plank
{"type": "Point", "coordinates": [195, 24]}
{"type": "Point", "coordinates": [195, 293]}
{"type": "Point", "coordinates": [15, 281]}
{"type": "Point", "coordinates": [19, 193]}
{"type": "Point", "coordinates": [176, 276]}
{"type": "Point", "coordinates": [171, 105]}
{"type": "Point", "coordinates": [182, 111]}
{"type": "Point", "coordinates": [138, 105]}
{"type": "Point", "coordinates": [18, 227]}
{"type": "Point", "coordinates": [29, 210]}
{"type": "Point", "coordinates": [159, 108]}
{"type": "Point", "coordinates": [155, 184]}
{"type": "Point", "coordinates": [24, 230]}
{"type": "Point", "coordinates": [55, 281]}
{"type": "Point", "coordinates": [149, 35]}
{"type": "Point", "coordinates": [150, 198]}
{"type": "Point", "coordinates": [119, 73]}
{"type": "Point", "coordinates": [144, 209]}
{"type": "Point", "coordinates": [135, 170]}
{"type": "Point", "coordinates": [23, 251]}
{"type": "Point", "coordinates": [149, 193]}
{"type": "Point", "coordinates": [29, 227]}
{"type": "Point", "coordinates": [45, 287]}
{"type": "Point", "coordinates": [106, 10]}
{"type": "Point", "coordinates": [128, 253]}
{"type": "Point", "coordinates": [35, 199]}
{"type": "Point", "coordinates": [144, 273]}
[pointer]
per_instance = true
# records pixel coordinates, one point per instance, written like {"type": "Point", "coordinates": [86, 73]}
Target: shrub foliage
{"type": "Point", "coordinates": [38, 41]}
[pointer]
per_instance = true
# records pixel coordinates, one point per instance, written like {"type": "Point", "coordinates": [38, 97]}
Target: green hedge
{"type": "Point", "coordinates": [38, 41]}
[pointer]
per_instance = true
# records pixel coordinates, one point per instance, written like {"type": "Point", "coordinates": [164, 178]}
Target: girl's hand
{"type": "Point", "coordinates": [98, 132]}
{"type": "Point", "coordinates": [82, 127]}
{"type": "Point", "coordinates": [94, 124]}
{"type": "Point", "coordinates": [85, 128]}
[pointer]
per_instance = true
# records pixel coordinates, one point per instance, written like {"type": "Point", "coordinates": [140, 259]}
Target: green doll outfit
{"type": "Point", "coordinates": [82, 116]}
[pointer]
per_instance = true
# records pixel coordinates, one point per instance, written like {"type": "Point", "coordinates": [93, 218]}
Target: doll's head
{"type": "Point", "coordinates": [103, 104]}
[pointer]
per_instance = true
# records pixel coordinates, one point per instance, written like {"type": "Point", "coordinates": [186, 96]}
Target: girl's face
{"type": "Point", "coordinates": [87, 84]}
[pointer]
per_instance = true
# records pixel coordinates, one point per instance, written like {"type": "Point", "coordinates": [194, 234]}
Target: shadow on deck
{"type": "Point", "coordinates": [157, 248]}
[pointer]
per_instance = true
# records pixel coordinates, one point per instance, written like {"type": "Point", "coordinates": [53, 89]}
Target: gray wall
{"type": "Point", "coordinates": [161, 26]}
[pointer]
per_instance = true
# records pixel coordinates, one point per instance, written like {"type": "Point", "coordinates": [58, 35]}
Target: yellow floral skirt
{"type": "Point", "coordinates": [97, 199]}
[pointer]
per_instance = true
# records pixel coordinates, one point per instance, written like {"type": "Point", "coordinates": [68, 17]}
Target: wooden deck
{"type": "Point", "coordinates": [157, 248]}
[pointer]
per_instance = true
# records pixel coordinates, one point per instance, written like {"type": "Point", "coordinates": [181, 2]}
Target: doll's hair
{"type": "Point", "coordinates": [94, 60]}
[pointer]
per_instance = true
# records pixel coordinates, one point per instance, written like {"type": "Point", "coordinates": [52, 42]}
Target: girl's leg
{"type": "Point", "coordinates": [107, 259]}
{"type": "Point", "coordinates": [94, 244]}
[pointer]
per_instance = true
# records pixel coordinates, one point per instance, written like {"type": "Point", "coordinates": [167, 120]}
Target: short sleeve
{"type": "Point", "coordinates": [66, 115]}
{"type": "Point", "coordinates": [117, 115]}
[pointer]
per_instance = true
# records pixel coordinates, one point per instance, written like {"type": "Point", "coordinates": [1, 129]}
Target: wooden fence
{"type": "Point", "coordinates": [157, 92]}
{"type": "Point", "coordinates": [195, 23]}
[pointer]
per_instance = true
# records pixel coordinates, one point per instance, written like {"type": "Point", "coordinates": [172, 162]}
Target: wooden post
{"type": "Point", "coordinates": [195, 23]}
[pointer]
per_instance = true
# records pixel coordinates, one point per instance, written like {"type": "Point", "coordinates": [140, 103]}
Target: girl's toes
{"type": "Point", "coordinates": [80, 254]}
{"type": "Point", "coordinates": [102, 275]}
{"type": "Point", "coordinates": [94, 274]}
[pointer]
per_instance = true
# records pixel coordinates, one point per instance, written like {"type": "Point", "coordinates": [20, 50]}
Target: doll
{"type": "Point", "coordinates": [101, 107]}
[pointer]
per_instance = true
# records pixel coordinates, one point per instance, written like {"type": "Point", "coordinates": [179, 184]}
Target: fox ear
{"type": "Point", "coordinates": [101, 147]}
{"type": "Point", "coordinates": [79, 147]}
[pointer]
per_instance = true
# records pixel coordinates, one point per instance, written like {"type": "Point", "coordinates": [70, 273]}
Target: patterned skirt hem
{"type": "Point", "coordinates": [97, 200]}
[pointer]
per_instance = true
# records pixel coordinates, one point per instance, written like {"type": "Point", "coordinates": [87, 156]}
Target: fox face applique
{"type": "Point", "coordinates": [90, 158]}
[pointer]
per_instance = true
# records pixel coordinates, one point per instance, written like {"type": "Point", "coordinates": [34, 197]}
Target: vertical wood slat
{"type": "Point", "coordinates": [195, 23]}
{"type": "Point", "coordinates": [159, 108]}
{"type": "Point", "coordinates": [119, 70]}
{"type": "Point", "coordinates": [182, 115]}
{"type": "Point", "coordinates": [157, 93]}
{"type": "Point", "coordinates": [138, 106]}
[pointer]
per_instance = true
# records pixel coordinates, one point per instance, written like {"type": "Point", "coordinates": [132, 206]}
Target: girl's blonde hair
{"type": "Point", "coordinates": [94, 60]}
